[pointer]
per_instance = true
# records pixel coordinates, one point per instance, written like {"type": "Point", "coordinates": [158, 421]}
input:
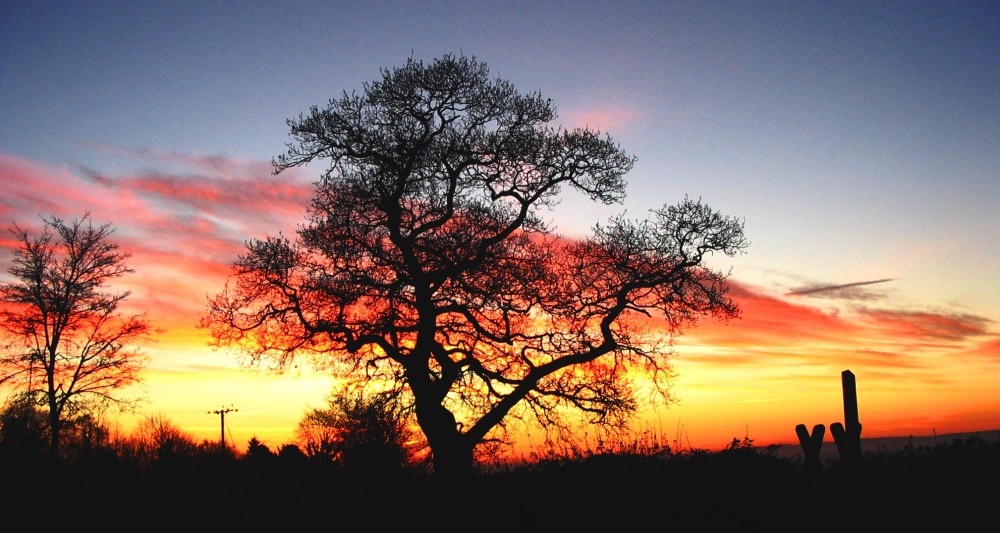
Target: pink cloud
{"type": "Point", "coordinates": [183, 231]}
{"type": "Point", "coordinates": [34, 189]}
{"type": "Point", "coordinates": [610, 118]}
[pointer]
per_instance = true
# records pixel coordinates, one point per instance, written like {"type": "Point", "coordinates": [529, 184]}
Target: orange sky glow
{"type": "Point", "coordinates": [919, 371]}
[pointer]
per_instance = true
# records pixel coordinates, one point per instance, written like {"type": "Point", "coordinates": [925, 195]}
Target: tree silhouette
{"type": "Point", "coordinates": [67, 345]}
{"type": "Point", "coordinates": [258, 451]}
{"type": "Point", "coordinates": [426, 263]}
{"type": "Point", "coordinates": [158, 442]}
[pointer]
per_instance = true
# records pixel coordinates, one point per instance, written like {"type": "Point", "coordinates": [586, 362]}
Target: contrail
{"type": "Point", "coordinates": [827, 288]}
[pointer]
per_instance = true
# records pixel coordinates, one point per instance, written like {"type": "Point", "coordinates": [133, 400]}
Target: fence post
{"type": "Point", "coordinates": [848, 439]}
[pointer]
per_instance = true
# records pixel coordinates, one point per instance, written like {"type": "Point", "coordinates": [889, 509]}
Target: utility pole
{"type": "Point", "coordinates": [222, 418]}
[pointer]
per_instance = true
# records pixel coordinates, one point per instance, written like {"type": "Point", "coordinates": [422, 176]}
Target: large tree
{"type": "Point", "coordinates": [66, 344]}
{"type": "Point", "coordinates": [426, 262]}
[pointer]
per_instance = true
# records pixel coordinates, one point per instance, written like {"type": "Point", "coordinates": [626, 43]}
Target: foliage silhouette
{"type": "Point", "coordinates": [258, 451]}
{"type": "Point", "coordinates": [364, 434]}
{"type": "Point", "coordinates": [67, 346]}
{"type": "Point", "coordinates": [427, 265]}
{"type": "Point", "coordinates": [23, 431]}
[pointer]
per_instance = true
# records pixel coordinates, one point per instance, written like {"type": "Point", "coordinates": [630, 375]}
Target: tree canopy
{"type": "Point", "coordinates": [426, 263]}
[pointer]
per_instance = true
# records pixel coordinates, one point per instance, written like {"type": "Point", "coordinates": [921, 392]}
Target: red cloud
{"type": "Point", "coordinates": [927, 325]}
{"type": "Point", "coordinates": [774, 332]}
{"type": "Point", "coordinates": [766, 320]}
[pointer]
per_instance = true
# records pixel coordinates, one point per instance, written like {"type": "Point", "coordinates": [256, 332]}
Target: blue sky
{"type": "Point", "coordinates": [860, 141]}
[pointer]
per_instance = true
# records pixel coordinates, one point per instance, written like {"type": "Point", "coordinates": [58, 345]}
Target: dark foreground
{"type": "Point", "coordinates": [950, 487]}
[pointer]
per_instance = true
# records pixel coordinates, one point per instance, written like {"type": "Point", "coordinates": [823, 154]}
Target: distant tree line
{"type": "Point", "coordinates": [352, 432]}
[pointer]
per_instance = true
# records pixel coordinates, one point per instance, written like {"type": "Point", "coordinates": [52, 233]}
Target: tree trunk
{"type": "Point", "coordinates": [451, 451]}
{"type": "Point", "coordinates": [452, 462]}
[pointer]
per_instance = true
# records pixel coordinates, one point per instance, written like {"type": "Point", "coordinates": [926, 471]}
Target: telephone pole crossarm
{"type": "Point", "coordinates": [222, 421]}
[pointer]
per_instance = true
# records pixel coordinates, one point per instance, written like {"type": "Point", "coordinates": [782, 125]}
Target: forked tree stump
{"type": "Point", "coordinates": [811, 445]}
{"type": "Point", "coordinates": [847, 439]}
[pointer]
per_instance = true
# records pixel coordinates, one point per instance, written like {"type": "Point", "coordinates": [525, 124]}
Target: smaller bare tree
{"type": "Point", "coordinates": [65, 343]}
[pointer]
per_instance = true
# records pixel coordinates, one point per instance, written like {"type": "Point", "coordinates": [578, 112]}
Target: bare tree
{"type": "Point", "coordinates": [158, 442]}
{"type": "Point", "coordinates": [66, 344]}
{"type": "Point", "coordinates": [426, 263]}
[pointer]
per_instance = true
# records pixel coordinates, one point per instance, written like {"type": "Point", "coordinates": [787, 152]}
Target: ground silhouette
{"type": "Point", "coordinates": [950, 485]}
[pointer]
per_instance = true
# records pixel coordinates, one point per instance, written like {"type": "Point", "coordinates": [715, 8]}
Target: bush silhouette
{"type": "Point", "coordinates": [369, 434]}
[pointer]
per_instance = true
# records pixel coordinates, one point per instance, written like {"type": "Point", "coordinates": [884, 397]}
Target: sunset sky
{"type": "Point", "coordinates": [859, 141]}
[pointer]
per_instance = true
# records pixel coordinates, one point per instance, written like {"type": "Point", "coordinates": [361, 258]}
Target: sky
{"type": "Point", "coordinates": [858, 141]}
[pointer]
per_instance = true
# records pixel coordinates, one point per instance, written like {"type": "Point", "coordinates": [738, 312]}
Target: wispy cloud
{"type": "Point", "coordinates": [845, 291]}
{"type": "Point", "coordinates": [215, 164]}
